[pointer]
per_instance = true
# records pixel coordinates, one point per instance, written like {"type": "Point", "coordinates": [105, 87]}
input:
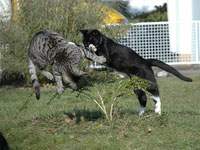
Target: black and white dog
{"type": "Point", "coordinates": [125, 60]}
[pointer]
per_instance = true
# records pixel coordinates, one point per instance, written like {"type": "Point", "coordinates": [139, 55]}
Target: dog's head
{"type": "Point", "coordinates": [91, 36]}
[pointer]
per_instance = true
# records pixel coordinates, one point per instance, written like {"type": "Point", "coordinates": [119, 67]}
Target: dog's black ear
{"type": "Point", "coordinates": [84, 32]}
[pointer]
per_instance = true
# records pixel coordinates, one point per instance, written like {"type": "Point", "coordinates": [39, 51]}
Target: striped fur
{"type": "Point", "coordinates": [51, 49]}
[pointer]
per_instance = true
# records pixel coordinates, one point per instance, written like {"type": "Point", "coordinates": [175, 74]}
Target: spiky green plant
{"type": "Point", "coordinates": [107, 98]}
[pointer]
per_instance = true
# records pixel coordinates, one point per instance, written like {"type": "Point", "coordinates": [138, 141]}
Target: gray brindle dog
{"type": "Point", "coordinates": [50, 48]}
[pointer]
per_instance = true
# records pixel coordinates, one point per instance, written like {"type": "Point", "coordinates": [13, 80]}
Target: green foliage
{"type": "Point", "coordinates": [115, 31]}
{"type": "Point", "coordinates": [152, 17]}
{"type": "Point", "coordinates": [106, 97]}
{"type": "Point", "coordinates": [159, 14]}
{"type": "Point", "coordinates": [41, 126]}
{"type": "Point", "coordinates": [127, 86]}
{"type": "Point", "coordinates": [14, 57]}
{"type": "Point", "coordinates": [121, 6]}
{"type": "Point", "coordinates": [64, 16]}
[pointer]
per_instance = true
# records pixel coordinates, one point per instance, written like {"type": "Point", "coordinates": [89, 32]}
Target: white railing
{"type": "Point", "coordinates": [155, 40]}
{"type": "Point", "coordinates": [196, 41]}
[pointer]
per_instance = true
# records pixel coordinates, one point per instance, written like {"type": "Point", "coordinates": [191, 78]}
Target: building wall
{"type": "Point", "coordinates": [5, 8]}
{"type": "Point", "coordinates": [174, 42]}
{"type": "Point", "coordinates": [196, 9]}
{"type": "Point", "coordinates": [180, 18]}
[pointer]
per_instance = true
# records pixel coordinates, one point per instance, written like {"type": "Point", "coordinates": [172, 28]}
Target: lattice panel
{"type": "Point", "coordinates": [150, 40]}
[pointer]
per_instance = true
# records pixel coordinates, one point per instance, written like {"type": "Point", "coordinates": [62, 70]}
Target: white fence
{"type": "Point", "coordinates": [196, 41]}
{"type": "Point", "coordinates": [155, 40]}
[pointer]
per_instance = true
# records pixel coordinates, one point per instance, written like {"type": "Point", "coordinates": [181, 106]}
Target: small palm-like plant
{"type": "Point", "coordinates": [107, 98]}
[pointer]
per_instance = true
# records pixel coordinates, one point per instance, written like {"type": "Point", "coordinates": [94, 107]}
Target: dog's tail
{"type": "Point", "coordinates": [34, 78]}
{"type": "Point", "coordinates": [168, 68]}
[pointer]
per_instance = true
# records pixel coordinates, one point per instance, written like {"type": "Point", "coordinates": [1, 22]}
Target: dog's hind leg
{"type": "Point", "coordinates": [142, 99]}
{"type": "Point", "coordinates": [153, 89]}
{"type": "Point", "coordinates": [148, 74]}
{"type": "Point", "coordinates": [157, 101]}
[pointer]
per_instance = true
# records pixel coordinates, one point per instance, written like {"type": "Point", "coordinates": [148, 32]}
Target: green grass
{"type": "Point", "coordinates": [71, 122]}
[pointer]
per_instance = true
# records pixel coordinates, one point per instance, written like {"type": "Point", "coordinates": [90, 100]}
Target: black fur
{"type": "Point", "coordinates": [125, 60]}
{"type": "Point", "coordinates": [3, 143]}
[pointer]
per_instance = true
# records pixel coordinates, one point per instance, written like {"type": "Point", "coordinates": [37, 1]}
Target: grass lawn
{"type": "Point", "coordinates": [72, 122]}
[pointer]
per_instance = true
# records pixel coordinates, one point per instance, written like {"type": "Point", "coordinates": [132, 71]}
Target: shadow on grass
{"type": "Point", "coordinates": [84, 115]}
{"type": "Point", "coordinates": [79, 115]}
{"type": "Point", "coordinates": [183, 113]}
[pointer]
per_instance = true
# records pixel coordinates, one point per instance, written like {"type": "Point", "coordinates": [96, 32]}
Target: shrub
{"type": "Point", "coordinates": [106, 97]}
{"type": "Point", "coordinates": [64, 16]}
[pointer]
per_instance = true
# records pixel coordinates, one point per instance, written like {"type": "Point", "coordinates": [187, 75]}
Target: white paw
{"type": "Point", "coordinates": [102, 59]}
{"type": "Point", "coordinates": [158, 108]}
{"type": "Point", "coordinates": [71, 43]}
{"type": "Point", "coordinates": [141, 111]}
{"type": "Point", "coordinates": [84, 74]}
{"type": "Point", "coordinates": [47, 74]}
{"type": "Point", "coordinates": [157, 104]}
{"type": "Point", "coordinates": [50, 76]}
{"type": "Point", "coordinates": [92, 48]}
{"type": "Point", "coordinates": [60, 90]}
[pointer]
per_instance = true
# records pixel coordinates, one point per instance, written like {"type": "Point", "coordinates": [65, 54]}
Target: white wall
{"type": "Point", "coordinates": [5, 8]}
{"type": "Point", "coordinates": [196, 10]}
{"type": "Point", "coordinates": [180, 26]}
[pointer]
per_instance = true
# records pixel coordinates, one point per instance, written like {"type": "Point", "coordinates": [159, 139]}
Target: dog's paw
{"type": "Point", "coordinates": [60, 90]}
{"type": "Point", "coordinates": [92, 48]}
{"type": "Point", "coordinates": [102, 59]}
{"type": "Point", "coordinates": [141, 111]}
{"type": "Point", "coordinates": [84, 73]}
{"type": "Point", "coordinates": [158, 110]}
{"type": "Point", "coordinates": [50, 76]}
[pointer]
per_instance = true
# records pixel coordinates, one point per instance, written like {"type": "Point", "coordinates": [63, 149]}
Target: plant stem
{"type": "Point", "coordinates": [111, 108]}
